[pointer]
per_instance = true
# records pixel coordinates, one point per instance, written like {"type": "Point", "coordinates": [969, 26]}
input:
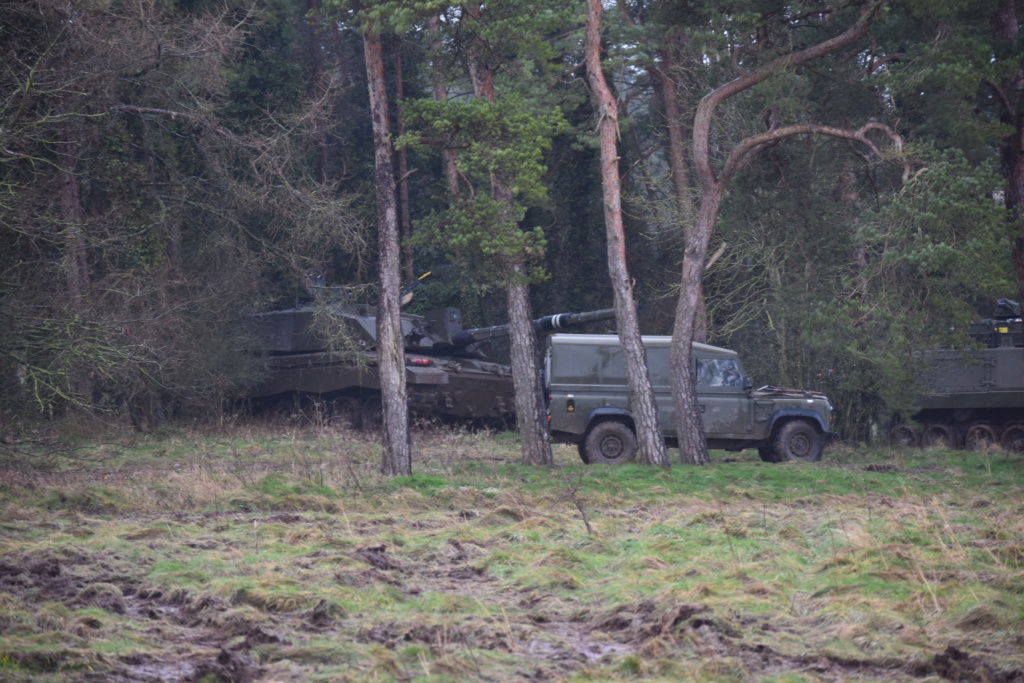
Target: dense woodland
{"type": "Point", "coordinates": [169, 166]}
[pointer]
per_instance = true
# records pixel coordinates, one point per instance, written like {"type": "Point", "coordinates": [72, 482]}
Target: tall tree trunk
{"type": "Point", "coordinates": [676, 134]}
{"type": "Point", "coordinates": [529, 396]}
{"type": "Point", "coordinates": [677, 162]}
{"type": "Point", "coordinates": [1005, 27]}
{"type": "Point", "coordinates": [76, 249]}
{"type": "Point", "coordinates": [397, 455]}
{"type": "Point", "coordinates": [650, 439]}
{"type": "Point", "coordinates": [663, 77]}
{"type": "Point", "coordinates": [405, 217]}
{"type": "Point", "coordinates": [692, 443]}
{"type": "Point", "coordinates": [451, 170]}
{"type": "Point", "coordinates": [318, 88]}
{"type": "Point", "coordinates": [77, 255]}
{"type": "Point", "coordinates": [533, 430]}
{"type": "Point", "coordinates": [693, 446]}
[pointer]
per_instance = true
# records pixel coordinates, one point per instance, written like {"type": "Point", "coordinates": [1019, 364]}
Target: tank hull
{"type": "Point", "coordinates": [466, 389]}
{"type": "Point", "coordinates": [447, 374]}
{"type": "Point", "coordinates": [972, 399]}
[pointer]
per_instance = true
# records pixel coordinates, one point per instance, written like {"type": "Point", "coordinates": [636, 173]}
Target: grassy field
{"type": "Point", "coordinates": [284, 556]}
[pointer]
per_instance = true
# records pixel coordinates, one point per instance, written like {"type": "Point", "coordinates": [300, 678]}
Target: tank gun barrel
{"type": "Point", "coordinates": [561, 321]}
{"type": "Point", "coordinates": [558, 321]}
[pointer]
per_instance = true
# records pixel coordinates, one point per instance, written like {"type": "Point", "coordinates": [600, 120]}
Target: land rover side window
{"type": "Point", "coordinates": [718, 372]}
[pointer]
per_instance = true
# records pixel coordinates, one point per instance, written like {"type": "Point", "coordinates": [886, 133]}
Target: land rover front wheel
{"type": "Point", "coordinates": [798, 440]}
{"type": "Point", "coordinates": [610, 442]}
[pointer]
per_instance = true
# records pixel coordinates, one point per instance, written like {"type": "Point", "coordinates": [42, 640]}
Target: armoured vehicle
{"type": "Point", "coordinates": [970, 399]}
{"type": "Point", "coordinates": [447, 373]}
{"type": "Point", "coordinates": [588, 402]}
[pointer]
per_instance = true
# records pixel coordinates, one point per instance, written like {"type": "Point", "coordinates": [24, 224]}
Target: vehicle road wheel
{"type": "Point", "coordinates": [979, 437]}
{"type": "Point", "coordinates": [768, 454]}
{"type": "Point", "coordinates": [798, 440]}
{"type": "Point", "coordinates": [582, 448]}
{"type": "Point", "coordinates": [346, 412]}
{"type": "Point", "coordinates": [372, 414]}
{"type": "Point", "coordinates": [939, 436]}
{"type": "Point", "coordinates": [1013, 439]}
{"type": "Point", "coordinates": [610, 442]}
{"type": "Point", "coordinates": [903, 435]}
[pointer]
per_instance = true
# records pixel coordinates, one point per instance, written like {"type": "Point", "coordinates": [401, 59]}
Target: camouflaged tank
{"type": "Point", "coordinates": [974, 398]}
{"type": "Point", "coordinates": [447, 372]}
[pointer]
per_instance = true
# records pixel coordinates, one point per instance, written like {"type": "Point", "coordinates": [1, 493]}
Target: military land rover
{"type": "Point", "coordinates": [588, 402]}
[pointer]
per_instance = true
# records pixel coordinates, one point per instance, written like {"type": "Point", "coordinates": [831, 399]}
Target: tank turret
{"type": "Point", "coordinates": [1002, 329]}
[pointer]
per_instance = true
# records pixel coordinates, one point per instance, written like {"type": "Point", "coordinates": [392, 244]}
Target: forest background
{"type": "Point", "coordinates": [168, 167]}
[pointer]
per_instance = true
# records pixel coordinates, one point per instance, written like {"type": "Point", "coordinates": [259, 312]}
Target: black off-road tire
{"type": "Point", "coordinates": [798, 440]}
{"type": "Point", "coordinates": [582, 448]}
{"type": "Point", "coordinates": [610, 442]}
{"type": "Point", "coordinates": [768, 454]}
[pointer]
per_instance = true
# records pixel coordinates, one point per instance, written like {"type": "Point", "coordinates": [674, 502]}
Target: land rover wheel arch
{"type": "Point", "coordinates": [609, 441]}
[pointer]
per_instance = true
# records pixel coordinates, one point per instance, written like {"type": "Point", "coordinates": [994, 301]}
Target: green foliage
{"type": "Point", "coordinates": [386, 16]}
{"type": "Point", "coordinates": [483, 236]}
{"type": "Point", "coordinates": [944, 231]}
{"type": "Point", "coordinates": [502, 142]}
{"type": "Point", "coordinates": [848, 309]}
{"type": "Point", "coordinates": [505, 139]}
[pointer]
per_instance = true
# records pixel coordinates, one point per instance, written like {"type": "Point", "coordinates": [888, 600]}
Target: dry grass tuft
{"type": "Point", "coordinates": [503, 515]}
{"type": "Point", "coordinates": [290, 549]}
{"type": "Point", "coordinates": [104, 595]}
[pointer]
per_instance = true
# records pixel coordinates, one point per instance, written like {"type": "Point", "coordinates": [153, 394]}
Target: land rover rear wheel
{"type": "Point", "coordinates": [611, 442]}
{"type": "Point", "coordinates": [582, 448]}
{"type": "Point", "coordinates": [798, 440]}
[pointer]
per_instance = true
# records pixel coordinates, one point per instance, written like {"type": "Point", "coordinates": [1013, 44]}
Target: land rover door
{"type": "Point", "coordinates": [723, 400]}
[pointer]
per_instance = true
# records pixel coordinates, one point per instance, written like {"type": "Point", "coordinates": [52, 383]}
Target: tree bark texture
{"type": "Point", "coordinates": [530, 404]}
{"type": "Point", "coordinates": [318, 86]}
{"type": "Point", "coordinates": [405, 217]}
{"type": "Point", "coordinates": [1005, 27]}
{"type": "Point", "coordinates": [530, 418]}
{"type": "Point", "coordinates": [692, 441]}
{"type": "Point", "coordinates": [676, 135]}
{"type": "Point", "coordinates": [650, 441]}
{"type": "Point", "coordinates": [1013, 154]}
{"type": "Point", "coordinates": [397, 455]}
{"type": "Point", "coordinates": [451, 170]}
{"type": "Point", "coordinates": [77, 254]}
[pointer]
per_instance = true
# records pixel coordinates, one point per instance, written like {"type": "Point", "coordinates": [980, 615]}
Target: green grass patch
{"type": "Point", "coordinates": [293, 555]}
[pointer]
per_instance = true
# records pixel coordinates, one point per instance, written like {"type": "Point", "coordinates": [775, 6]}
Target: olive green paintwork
{"type": "Point", "coordinates": [586, 385]}
{"type": "Point", "coordinates": [973, 398]}
{"type": "Point", "coordinates": [447, 374]}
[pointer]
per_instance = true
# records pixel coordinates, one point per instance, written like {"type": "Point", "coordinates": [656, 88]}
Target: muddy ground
{"type": "Point", "coordinates": [468, 585]}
